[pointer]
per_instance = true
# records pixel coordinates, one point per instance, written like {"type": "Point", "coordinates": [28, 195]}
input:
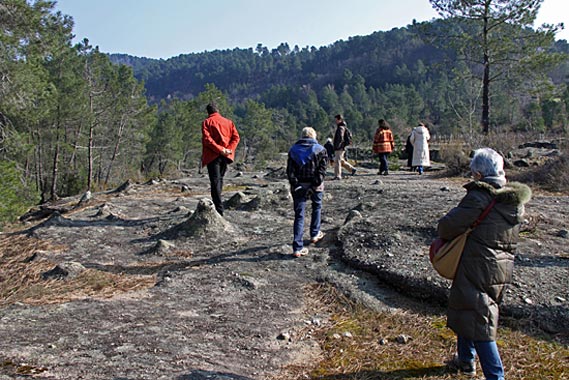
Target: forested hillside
{"type": "Point", "coordinates": [402, 75]}
{"type": "Point", "coordinates": [74, 119]}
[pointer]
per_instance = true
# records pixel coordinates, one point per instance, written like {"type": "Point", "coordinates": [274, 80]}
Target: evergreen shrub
{"type": "Point", "coordinates": [15, 196]}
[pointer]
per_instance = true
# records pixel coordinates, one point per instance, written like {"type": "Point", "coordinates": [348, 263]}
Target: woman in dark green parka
{"type": "Point", "coordinates": [487, 262]}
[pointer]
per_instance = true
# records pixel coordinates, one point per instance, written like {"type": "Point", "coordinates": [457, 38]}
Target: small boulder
{"type": "Point", "coordinates": [352, 216]}
{"type": "Point", "coordinates": [67, 270]}
{"type": "Point", "coordinates": [403, 339]}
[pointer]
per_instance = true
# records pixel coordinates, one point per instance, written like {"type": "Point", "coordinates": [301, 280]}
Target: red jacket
{"type": "Point", "coordinates": [218, 133]}
{"type": "Point", "coordinates": [383, 141]}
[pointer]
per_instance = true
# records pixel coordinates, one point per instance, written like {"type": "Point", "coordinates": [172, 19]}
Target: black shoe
{"type": "Point", "coordinates": [354, 170]}
{"type": "Point", "coordinates": [386, 173]}
{"type": "Point", "coordinates": [466, 368]}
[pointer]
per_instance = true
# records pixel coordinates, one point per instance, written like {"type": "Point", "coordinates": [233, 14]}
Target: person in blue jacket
{"type": "Point", "coordinates": [306, 169]}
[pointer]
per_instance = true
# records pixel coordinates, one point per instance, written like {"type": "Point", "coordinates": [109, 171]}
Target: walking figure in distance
{"type": "Point", "coordinates": [383, 145]}
{"type": "Point", "coordinates": [420, 140]}
{"type": "Point", "coordinates": [340, 144]}
{"type": "Point", "coordinates": [219, 141]}
{"type": "Point", "coordinates": [306, 168]}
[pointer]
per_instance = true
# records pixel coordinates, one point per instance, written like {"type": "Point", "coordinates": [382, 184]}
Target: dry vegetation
{"type": "Point", "coordinates": [22, 266]}
{"type": "Point", "coordinates": [552, 176]}
{"type": "Point", "coordinates": [373, 352]}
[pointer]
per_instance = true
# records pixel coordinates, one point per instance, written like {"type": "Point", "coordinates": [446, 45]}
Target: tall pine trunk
{"type": "Point", "coordinates": [486, 79]}
{"type": "Point", "coordinates": [90, 146]}
{"type": "Point", "coordinates": [116, 149]}
{"type": "Point", "coordinates": [55, 171]}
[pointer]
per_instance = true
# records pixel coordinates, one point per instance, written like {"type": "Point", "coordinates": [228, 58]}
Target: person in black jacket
{"type": "Point", "coordinates": [330, 150]}
{"type": "Point", "coordinates": [306, 168]}
{"type": "Point", "coordinates": [409, 152]}
{"type": "Point", "coordinates": [340, 149]}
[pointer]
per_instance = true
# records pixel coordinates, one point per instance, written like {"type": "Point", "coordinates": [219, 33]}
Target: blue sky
{"type": "Point", "coordinates": [167, 28]}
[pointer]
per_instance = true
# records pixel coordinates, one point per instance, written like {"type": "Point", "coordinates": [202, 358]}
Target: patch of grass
{"type": "Point", "coordinates": [22, 266]}
{"type": "Point", "coordinates": [234, 188]}
{"type": "Point", "coordinates": [9, 367]}
{"type": "Point", "coordinates": [373, 352]}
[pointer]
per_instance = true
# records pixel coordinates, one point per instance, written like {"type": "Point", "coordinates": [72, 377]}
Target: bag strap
{"type": "Point", "coordinates": [484, 214]}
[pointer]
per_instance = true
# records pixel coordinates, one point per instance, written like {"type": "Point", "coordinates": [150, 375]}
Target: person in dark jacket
{"type": "Point", "coordinates": [340, 149]}
{"type": "Point", "coordinates": [487, 262]}
{"type": "Point", "coordinates": [330, 150]}
{"type": "Point", "coordinates": [306, 168]}
{"type": "Point", "coordinates": [219, 141]}
{"type": "Point", "coordinates": [409, 152]}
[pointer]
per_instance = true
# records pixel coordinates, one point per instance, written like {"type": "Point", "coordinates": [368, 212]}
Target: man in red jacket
{"type": "Point", "coordinates": [219, 141]}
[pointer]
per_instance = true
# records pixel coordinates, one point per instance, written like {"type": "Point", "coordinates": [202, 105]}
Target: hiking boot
{"type": "Point", "coordinates": [354, 170]}
{"type": "Point", "coordinates": [466, 368]}
{"type": "Point", "coordinates": [301, 252]}
{"type": "Point", "coordinates": [319, 236]}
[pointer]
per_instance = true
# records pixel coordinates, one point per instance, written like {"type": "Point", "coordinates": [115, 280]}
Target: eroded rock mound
{"type": "Point", "coordinates": [205, 222]}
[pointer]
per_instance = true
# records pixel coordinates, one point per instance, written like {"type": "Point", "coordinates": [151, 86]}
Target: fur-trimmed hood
{"type": "Point", "coordinates": [513, 193]}
{"type": "Point", "coordinates": [510, 199]}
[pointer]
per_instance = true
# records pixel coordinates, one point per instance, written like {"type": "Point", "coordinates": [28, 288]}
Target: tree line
{"type": "Point", "coordinates": [70, 119]}
{"type": "Point", "coordinates": [74, 119]}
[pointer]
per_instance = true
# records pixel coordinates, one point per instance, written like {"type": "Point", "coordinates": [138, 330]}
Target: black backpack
{"type": "Point", "coordinates": [347, 137]}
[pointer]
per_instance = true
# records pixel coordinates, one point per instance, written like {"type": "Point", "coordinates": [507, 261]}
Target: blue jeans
{"type": "Point", "coordinates": [487, 353]}
{"type": "Point", "coordinates": [299, 207]}
{"type": "Point", "coordinates": [383, 162]}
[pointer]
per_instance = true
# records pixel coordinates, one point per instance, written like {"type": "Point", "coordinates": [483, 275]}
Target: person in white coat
{"type": "Point", "coordinates": [419, 139]}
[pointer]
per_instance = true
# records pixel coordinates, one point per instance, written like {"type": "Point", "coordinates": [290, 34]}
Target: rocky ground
{"type": "Point", "coordinates": [226, 298]}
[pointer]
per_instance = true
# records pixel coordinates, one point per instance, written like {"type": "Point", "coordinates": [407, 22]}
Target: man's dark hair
{"type": "Point", "coordinates": [339, 117]}
{"type": "Point", "coordinates": [211, 108]}
{"type": "Point", "coordinates": [383, 124]}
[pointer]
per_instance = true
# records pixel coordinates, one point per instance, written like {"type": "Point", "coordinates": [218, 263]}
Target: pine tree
{"type": "Point", "coordinates": [492, 37]}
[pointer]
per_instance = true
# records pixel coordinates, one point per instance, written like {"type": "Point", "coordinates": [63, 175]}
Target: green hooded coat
{"type": "Point", "coordinates": [488, 258]}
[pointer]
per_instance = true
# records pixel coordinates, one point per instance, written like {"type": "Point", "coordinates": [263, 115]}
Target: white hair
{"type": "Point", "coordinates": [487, 162]}
{"type": "Point", "coordinates": [308, 132]}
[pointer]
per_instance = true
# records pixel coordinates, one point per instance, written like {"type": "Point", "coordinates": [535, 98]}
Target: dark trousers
{"type": "Point", "coordinates": [383, 163]}
{"type": "Point", "coordinates": [216, 170]}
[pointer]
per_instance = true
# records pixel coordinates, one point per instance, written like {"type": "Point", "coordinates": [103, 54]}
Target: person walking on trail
{"type": "Point", "coordinates": [383, 145]}
{"type": "Point", "coordinates": [330, 150]}
{"type": "Point", "coordinates": [306, 168]}
{"type": "Point", "coordinates": [341, 141]}
{"type": "Point", "coordinates": [219, 141]}
{"type": "Point", "coordinates": [419, 139]}
{"type": "Point", "coordinates": [487, 262]}
{"type": "Point", "coordinates": [409, 153]}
